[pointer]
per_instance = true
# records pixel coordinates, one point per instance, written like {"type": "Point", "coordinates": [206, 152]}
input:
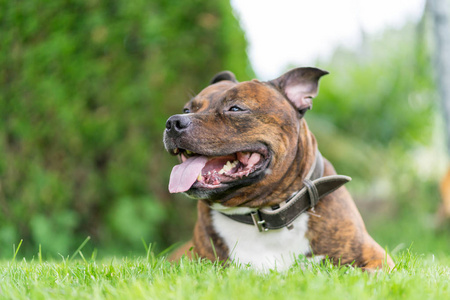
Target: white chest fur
{"type": "Point", "coordinates": [274, 249]}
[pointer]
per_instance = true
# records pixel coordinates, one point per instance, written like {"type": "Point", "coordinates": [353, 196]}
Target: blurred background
{"type": "Point", "coordinates": [86, 88]}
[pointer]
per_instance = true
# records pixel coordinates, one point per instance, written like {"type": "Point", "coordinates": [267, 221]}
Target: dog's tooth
{"type": "Point", "coordinates": [188, 152]}
{"type": "Point", "coordinates": [176, 151]}
{"type": "Point", "coordinates": [226, 167]}
{"type": "Point", "coordinates": [199, 177]}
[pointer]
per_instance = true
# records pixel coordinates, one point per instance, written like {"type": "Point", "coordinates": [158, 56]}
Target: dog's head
{"type": "Point", "coordinates": [239, 139]}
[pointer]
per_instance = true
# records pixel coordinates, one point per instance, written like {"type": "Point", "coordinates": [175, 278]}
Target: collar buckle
{"type": "Point", "coordinates": [258, 222]}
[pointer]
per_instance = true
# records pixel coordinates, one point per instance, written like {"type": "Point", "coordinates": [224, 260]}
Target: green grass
{"type": "Point", "coordinates": [76, 276]}
{"type": "Point", "coordinates": [415, 277]}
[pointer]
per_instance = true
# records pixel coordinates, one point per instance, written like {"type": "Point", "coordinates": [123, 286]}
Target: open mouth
{"type": "Point", "coordinates": [210, 172]}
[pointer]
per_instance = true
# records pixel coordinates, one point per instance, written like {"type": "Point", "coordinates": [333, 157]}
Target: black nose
{"type": "Point", "coordinates": [177, 123]}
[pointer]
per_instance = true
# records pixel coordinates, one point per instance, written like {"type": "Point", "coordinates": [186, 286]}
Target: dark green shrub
{"type": "Point", "coordinates": [85, 89]}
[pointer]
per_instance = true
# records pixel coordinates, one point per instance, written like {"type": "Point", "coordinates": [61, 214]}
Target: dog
{"type": "Point", "coordinates": [266, 196]}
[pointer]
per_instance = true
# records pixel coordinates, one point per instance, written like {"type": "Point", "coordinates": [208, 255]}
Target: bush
{"type": "Point", "coordinates": [85, 90]}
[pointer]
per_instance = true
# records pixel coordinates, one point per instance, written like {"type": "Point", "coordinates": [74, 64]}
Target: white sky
{"type": "Point", "coordinates": [284, 32]}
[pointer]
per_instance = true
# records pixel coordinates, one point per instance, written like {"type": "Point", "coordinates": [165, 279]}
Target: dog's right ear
{"type": "Point", "coordinates": [225, 75]}
{"type": "Point", "coordinates": [299, 86]}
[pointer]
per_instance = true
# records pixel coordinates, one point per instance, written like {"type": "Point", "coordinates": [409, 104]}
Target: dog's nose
{"type": "Point", "coordinates": [177, 123]}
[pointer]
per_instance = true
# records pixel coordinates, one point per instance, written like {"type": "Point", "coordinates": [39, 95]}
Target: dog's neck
{"type": "Point", "coordinates": [305, 158]}
{"type": "Point", "coordinates": [306, 153]}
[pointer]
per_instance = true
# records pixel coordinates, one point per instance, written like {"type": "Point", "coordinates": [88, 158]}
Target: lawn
{"type": "Point", "coordinates": [421, 255]}
{"type": "Point", "coordinates": [151, 277]}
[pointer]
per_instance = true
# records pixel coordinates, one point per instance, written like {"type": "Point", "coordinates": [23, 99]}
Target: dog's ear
{"type": "Point", "coordinates": [300, 86]}
{"type": "Point", "coordinates": [225, 75]}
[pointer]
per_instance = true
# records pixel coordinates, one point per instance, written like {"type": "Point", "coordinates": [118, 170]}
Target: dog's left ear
{"type": "Point", "coordinates": [300, 86]}
{"type": "Point", "coordinates": [225, 75]}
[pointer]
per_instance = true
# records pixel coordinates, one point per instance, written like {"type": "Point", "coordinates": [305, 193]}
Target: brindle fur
{"type": "Point", "coordinates": [335, 227]}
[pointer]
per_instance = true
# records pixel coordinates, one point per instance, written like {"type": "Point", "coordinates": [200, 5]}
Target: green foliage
{"type": "Point", "coordinates": [376, 108]}
{"type": "Point", "coordinates": [154, 278]}
{"type": "Point", "coordinates": [380, 92]}
{"type": "Point", "coordinates": [85, 90]}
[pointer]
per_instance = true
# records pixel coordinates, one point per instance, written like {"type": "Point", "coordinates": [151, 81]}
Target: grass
{"type": "Point", "coordinates": [417, 276]}
{"type": "Point", "coordinates": [151, 277]}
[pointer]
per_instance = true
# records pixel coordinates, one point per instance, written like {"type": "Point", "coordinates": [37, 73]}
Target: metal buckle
{"type": "Point", "coordinates": [258, 222]}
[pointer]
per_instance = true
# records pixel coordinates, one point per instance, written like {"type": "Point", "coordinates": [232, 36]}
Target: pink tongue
{"type": "Point", "coordinates": [184, 175]}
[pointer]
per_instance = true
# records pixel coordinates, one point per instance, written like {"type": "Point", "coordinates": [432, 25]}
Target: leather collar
{"type": "Point", "coordinates": [315, 187]}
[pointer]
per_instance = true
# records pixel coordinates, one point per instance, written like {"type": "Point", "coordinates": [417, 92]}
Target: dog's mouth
{"type": "Point", "coordinates": [212, 172]}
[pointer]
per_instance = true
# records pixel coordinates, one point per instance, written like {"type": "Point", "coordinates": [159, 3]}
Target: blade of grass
{"type": "Point", "coordinates": [80, 247]}
{"type": "Point", "coordinates": [145, 245]}
{"type": "Point", "coordinates": [16, 250]}
{"type": "Point", "coordinates": [40, 254]}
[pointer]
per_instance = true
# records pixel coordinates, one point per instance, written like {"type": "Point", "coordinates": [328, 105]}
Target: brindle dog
{"type": "Point", "coordinates": [245, 147]}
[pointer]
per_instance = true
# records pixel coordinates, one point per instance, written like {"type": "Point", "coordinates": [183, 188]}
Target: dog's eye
{"type": "Point", "coordinates": [235, 108]}
{"type": "Point", "coordinates": [186, 110]}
